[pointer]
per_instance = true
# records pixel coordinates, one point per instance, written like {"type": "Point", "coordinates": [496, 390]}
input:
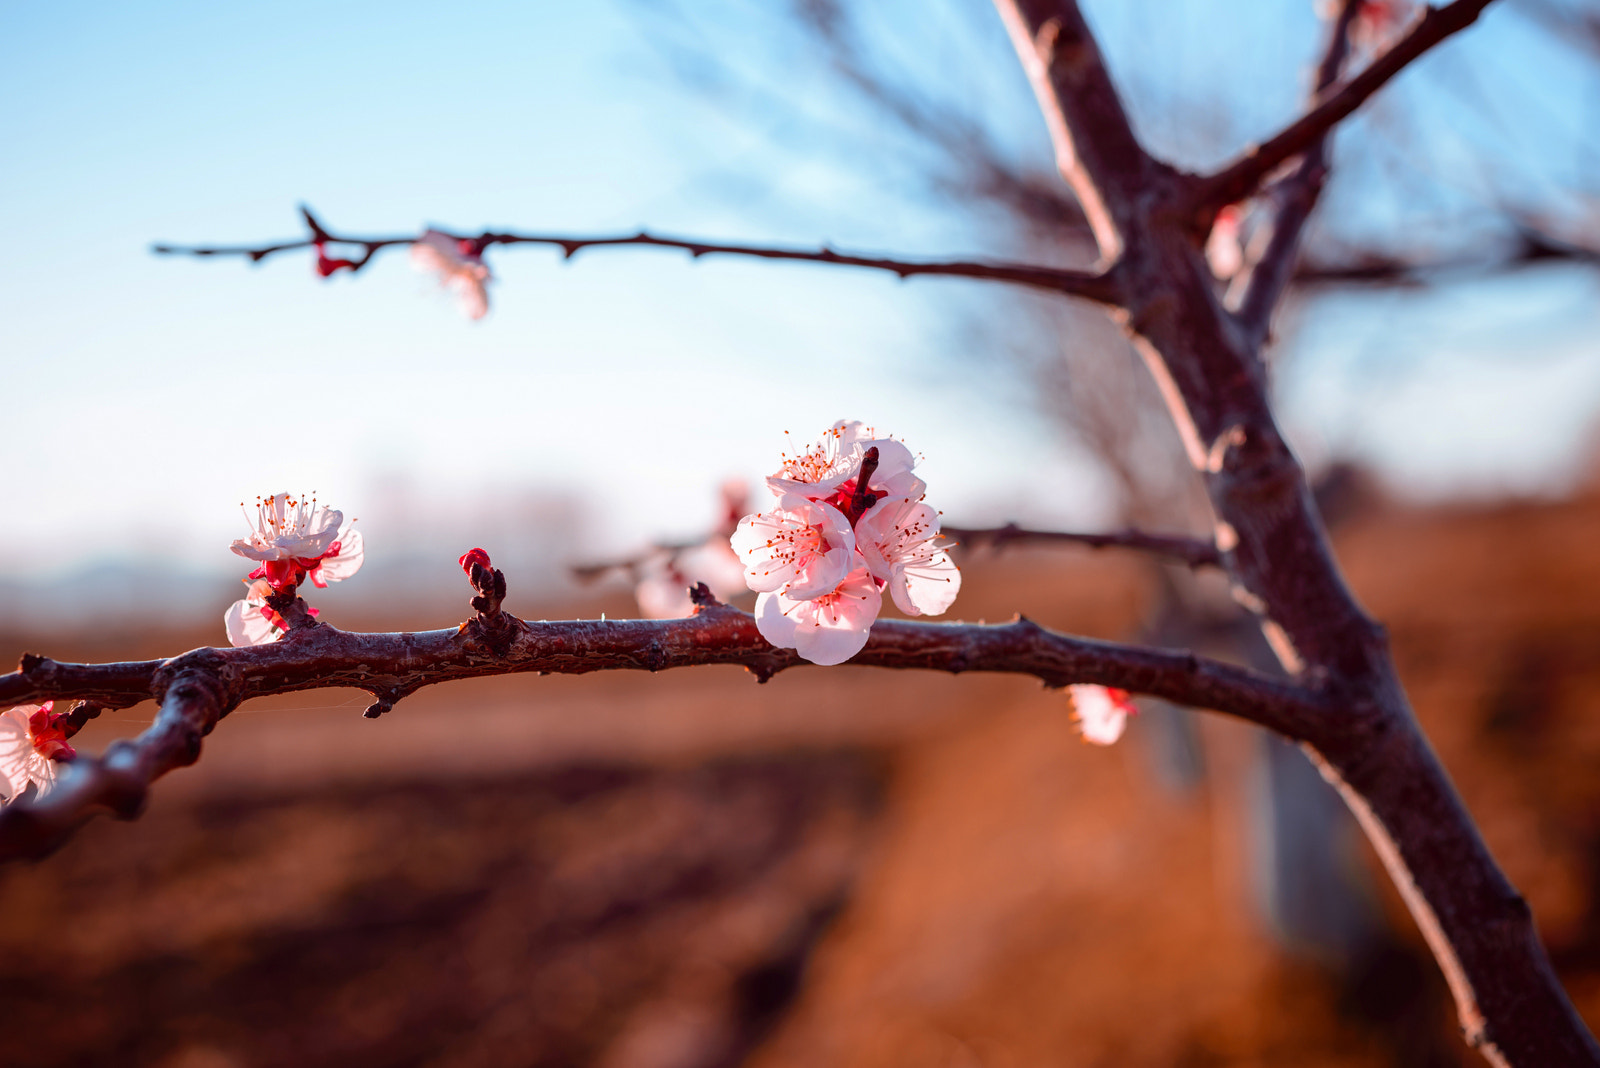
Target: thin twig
{"type": "Point", "coordinates": [1096, 286]}
{"type": "Point", "coordinates": [1241, 178]}
{"type": "Point", "coordinates": [1191, 551]}
{"type": "Point", "coordinates": [1295, 198]}
{"type": "Point", "coordinates": [1532, 248]}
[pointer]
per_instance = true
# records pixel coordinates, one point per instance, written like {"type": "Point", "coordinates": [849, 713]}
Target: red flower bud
{"type": "Point", "coordinates": [474, 556]}
{"type": "Point", "coordinates": [327, 266]}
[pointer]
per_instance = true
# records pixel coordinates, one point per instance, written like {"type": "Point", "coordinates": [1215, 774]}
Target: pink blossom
{"type": "Point", "coordinates": [829, 468]}
{"type": "Point", "coordinates": [31, 741]}
{"type": "Point", "coordinates": [459, 266]}
{"type": "Point", "coordinates": [827, 630]}
{"type": "Point", "coordinates": [665, 579]}
{"type": "Point", "coordinates": [802, 547]}
{"type": "Point", "coordinates": [896, 537]}
{"type": "Point", "coordinates": [294, 539]}
{"type": "Point", "coordinates": [1101, 711]}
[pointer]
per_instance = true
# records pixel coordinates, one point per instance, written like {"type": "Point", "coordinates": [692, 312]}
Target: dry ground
{"type": "Point", "coordinates": [842, 867]}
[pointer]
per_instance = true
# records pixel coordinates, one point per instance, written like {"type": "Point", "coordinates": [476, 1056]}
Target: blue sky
{"type": "Point", "coordinates": [150, 395]}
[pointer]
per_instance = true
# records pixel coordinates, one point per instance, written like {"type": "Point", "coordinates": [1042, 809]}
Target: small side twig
{"type": "Point", "coordinates": [1242, 177]}
{"type": "Point", "coordinates": [1192, 551]}
{"type": "Point", "coordinates": [1259, 290]}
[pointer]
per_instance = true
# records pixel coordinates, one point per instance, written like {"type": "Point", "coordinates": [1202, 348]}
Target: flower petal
{"type": "Point", "coordinates": [1102, 713]}
{"type": "Point", "coordinates": [926, 588]}
{"type": "Point", "coordinates": [802, 547]}
{"type": "Point", "coordinates": [827, 630]}
{"type": "Point", "coordinates": [352, 553]}
{"type": "Point", "coordinates": [247, 626]}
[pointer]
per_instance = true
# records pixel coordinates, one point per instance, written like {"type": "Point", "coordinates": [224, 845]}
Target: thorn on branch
{"type": "Point", "coordinates": [317, 232]}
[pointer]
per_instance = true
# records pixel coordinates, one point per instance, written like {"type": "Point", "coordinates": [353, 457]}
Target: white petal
{"type": "Point", "coordinates": [926, 588]}
{"type": "Point", "coordinates": [1101, 716]}
{"type": "Point", "coordinates": [249, 551]}
{"type": "Point", "coordinates": [16, 750]}
{"type": "Point", "coordinates": [247, 626]}
{"type": "Point", "coordinates": [473, 298]}
{"type": "Point", "coordinates": [352, 553]}
{"type": "Point", "coordinates": [774, 626]}
{"type": "Point", "coordinates": [832, 629]}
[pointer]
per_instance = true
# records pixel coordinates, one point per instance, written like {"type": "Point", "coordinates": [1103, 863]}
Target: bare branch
{"type": "Point", "coordinates": [198, 688]}
{"type": "Point", "coordinates": [1242, 177]}
{"type": "Point", "coordinates": [1191, 551]}
{"type": "Point", "coordinates": [1096, 149]}
{"type": "Point", "coordinates": [1531, 248]}
{"type": "Point", "coordinates": [1295, 197]}
{"type": "Point", "coordinates": [1096, 286]}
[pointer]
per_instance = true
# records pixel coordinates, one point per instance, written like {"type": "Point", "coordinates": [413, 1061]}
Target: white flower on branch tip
{"type": "Point", "coordinates": [896, 538]}
{"type": "Point", "coordinates": [828, 467]}
{"type": "Point", "coordinates": [30, 738]}
{"type": "Point", "coordinates": [825, 630]}
{"type": "Point", "coordinates": [1101, 711]}
{"type": "Point", "coordinates": [802, 547]}
{"type": "Point", "coordinates": [459, 266]}
{"type": "Point", "coordinates": [295, 539]}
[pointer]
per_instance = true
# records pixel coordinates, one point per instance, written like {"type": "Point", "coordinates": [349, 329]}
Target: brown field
{"type": "Point", "coordinates": [842, 867]}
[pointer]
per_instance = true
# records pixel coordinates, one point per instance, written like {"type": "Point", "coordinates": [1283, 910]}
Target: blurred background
{"type": "Point", "coordinates": [840, 867]}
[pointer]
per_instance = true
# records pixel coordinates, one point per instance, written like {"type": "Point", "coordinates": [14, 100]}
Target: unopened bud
{"type": "Point", "coordinates": [474, 556]}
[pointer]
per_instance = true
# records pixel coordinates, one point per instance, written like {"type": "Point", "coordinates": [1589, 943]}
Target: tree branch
{"type": "Point", "coordinates": [1531, 248]}
{"type": "Point", "coordinates": [1242, 177]}
{"type": "Point", "coordinates": [1296, 197]}
{"type": "Point", "coordinates": [1089, 285]}
{"type": "Point", "coordinates": [198, 688]}
{"type": "Point", "coordinates": [1511, 1006]}
{"type": "Point", "coordinates": [1192, 551]}
{"type": "Point", "coordinates": [1096, 149]}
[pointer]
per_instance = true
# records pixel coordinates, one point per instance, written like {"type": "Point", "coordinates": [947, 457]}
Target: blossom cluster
{"type": "Point", "coordinates": [32, 741]}
{"type": "Point", "coordinates": [291, 540]}
{"type": "Point", "coordinates": [664, 576]}
{"type": "Point", "coordinates": [848, 521]}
